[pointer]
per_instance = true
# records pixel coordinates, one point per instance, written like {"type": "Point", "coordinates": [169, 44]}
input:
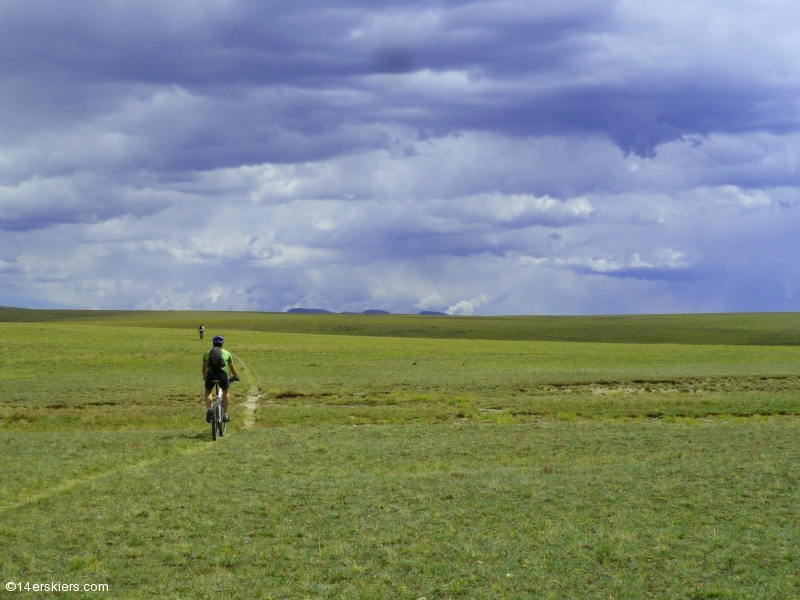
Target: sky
{"type": "Point", "coordinates": [476, 158]}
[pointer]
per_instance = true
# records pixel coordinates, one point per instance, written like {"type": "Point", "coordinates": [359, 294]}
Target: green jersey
{"type": "Point", "coordinates": [226, 356]}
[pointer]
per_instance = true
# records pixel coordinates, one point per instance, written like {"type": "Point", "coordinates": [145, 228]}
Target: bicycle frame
{"type": "Point", "coordinates": [218, 426]}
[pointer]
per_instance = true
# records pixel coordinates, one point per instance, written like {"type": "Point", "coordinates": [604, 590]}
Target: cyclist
{"type": "Point", "coordinates": [217, 365]}
{"type": "Point", "coordinates": [201, 330]}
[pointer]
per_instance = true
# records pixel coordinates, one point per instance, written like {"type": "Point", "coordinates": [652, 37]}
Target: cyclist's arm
{"type": "Point", "coordinates": [233, 369]}
{"type": "Point", "coordinates": [204, 369]}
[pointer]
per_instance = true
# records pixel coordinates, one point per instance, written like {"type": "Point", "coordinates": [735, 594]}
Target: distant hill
{"type": "Point", "coordinates": [375, 311]}
{"type": "Point", "coordinates": [310, 311]}
{"type": "Point", "coordinates": [433, 312]}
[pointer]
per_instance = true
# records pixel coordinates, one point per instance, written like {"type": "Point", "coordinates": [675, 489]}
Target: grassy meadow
{"type": "Point", "coordinates": [404, 456]}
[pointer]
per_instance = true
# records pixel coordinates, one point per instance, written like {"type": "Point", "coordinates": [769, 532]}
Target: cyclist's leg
{"type": "Point", "coordinates": [208, 386]}
{"type": "Point", "coordinates": [226, 395]}
{"type": "Point", "coordinates": [209, 411]}
{"type": "Point", "coordinates": [209, 398]}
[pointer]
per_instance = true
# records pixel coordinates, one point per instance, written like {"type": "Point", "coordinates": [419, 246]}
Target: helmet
{"type": "Point", "coordinates": [218, 339]}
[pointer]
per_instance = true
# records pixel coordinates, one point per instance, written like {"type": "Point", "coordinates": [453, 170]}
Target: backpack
{"type": "Point", "coordinates": [216, 362]}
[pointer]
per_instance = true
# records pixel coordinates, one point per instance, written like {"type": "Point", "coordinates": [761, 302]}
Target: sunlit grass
{"type": "Point", "coordinates": [399, 467]}
{"type": "Point", "coordinates": [38, 461]}
{"type": "Point", "coordinates": [728, 328]}
{"type": "Point", "coordinates": [97, 376]}
{"type": "Point", "coordinates": [573, 509]}
{"type": "Point", "coordinates": [66, 376]}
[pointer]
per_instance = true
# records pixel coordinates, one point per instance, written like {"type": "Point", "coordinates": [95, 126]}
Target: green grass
{"type": "Point", "coordinates": [730, 328]}
{"type": "Point", "coordinates": [45, 460]}
{"type": "Point", "coordinates": [322, 379]}
{"type": "Point", "coordinates": [99, 377]}
{"type": "Point", "coordinates": [389, 466]}
{"type": "Point", "coordinates": [555, 509]}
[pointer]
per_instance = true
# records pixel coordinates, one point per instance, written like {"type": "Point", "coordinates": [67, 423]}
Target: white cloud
{"type": "Point", "coordinates": [566, 156]}
{"type": "Point", "coordinates": [467, 307]}
{"type": "Point", "coordinates": [405, 251]}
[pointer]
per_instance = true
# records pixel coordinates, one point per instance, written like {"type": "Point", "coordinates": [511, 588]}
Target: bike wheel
{"type": "Point", "coordinates": [215, 422]}
{"type": "Point", "coordinates": [221, 427]}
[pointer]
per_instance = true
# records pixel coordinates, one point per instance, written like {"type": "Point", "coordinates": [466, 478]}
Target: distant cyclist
{"type": "Point", "coordinates": [201, 330]}
{"type": "Point", "coordinates": [217, 366]}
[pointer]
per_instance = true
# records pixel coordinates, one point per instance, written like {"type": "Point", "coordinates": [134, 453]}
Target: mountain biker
{"type": "Point", "coordinates": [201, 330]}
{"type": "Point", "coordinates": [216, 367]}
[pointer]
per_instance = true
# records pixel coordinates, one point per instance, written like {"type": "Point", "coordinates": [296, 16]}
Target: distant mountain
{"type": "Point", "coordinates": [375, 311]}
{"type": "Point", "coordinates": [433, 312]}
{"type": "Point", "coordinates": [310, 311]}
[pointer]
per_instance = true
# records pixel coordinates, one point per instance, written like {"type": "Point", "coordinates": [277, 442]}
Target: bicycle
{"type": "Point", "coordinates": [219, 427]}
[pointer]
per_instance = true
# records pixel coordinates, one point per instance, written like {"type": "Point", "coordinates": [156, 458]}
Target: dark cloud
{"type": "Point", "coordinates": [490, 156]}
{"type": "Point", "coordinates": [266, 68]}
{"type": "Point", "coordinates": [394, 60]}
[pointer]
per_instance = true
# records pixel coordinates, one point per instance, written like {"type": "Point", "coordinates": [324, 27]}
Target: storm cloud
{"type": "Point", "coordinates": [469, 157]}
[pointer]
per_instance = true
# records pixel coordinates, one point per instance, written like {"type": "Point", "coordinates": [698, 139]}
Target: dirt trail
{"type": "Point", "coordinates": [71, 483]}
{"type": "Point", "coordinates": [251, 404]}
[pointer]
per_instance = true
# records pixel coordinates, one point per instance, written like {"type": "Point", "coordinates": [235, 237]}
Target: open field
{"type": "Point", "coordinates": [752, 328]}
{"type": "Point", "coordinates": [476, 465]}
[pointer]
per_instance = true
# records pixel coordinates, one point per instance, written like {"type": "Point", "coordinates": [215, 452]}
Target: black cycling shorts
{"type": "Point", "coordinates": [222, 377]}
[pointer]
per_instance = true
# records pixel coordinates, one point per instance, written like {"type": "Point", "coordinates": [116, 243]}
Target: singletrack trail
{"type": "Point", "coordinates": [71, 483]}
{"type": "Point", "coordinates": [251, 404]}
